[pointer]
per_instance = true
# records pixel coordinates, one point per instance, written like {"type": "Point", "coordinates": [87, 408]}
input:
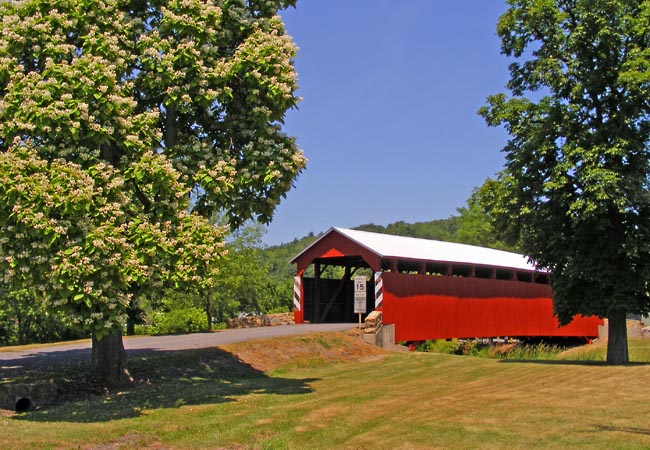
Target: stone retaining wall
{"type": "Point", "coordinates": [23, 397]}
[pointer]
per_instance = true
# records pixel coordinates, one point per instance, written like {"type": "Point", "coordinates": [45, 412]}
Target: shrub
{"type": "Point", "coordinates": [175, 321]}
{"type": "Point", "coordinates": [439, 346]}
{"type": "Point", "coordinates": [471, 348]}
{"type": "Point", "coordinates": [474, 347]}
{"type": "Point", "coordinates": [279, 310]}
{"type": "Point", "coordinates": [541, 351]}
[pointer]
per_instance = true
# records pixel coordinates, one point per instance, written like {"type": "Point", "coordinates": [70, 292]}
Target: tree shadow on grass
{"type": "Point", "coordinates": [162, 379]}
{"type": "Point", "coordinates": [568, 362]}
{"type": "Point", "coordinates": [643, 431]}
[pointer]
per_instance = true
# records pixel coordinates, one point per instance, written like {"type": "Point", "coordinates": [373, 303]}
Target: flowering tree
{"type": "Point", "coordinates": [125, 125]}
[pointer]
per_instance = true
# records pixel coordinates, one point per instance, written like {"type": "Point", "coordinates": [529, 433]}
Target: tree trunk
{"type": "Point", "coordinates": [109, 360]}
{"type": "Point", "coordinates": [133, 313]}
{"type": "Point", "coordinates": [21, 331]}
{"type": "Point", "coordinates": [617, 338]}
{"type": "Point", "coordinates": [171, 129]}
{"type": "Point", "coordinates": [130, 325]}
{"type": "Point", "coordinates": [208, 311]}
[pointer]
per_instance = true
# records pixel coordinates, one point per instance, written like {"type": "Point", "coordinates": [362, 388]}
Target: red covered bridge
{"type": "Point", "coordinates": [428, 289]}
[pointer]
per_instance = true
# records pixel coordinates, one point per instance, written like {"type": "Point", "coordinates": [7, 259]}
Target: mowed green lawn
{"type": "Point", "coordinates": [208, 399]}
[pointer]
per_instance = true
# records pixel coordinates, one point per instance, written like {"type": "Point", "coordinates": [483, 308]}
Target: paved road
{"type": "Point", "coordinates": [166, 343]}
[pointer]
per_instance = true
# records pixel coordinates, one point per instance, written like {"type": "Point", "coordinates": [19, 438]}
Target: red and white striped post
{"type": "Point", "coordinates": [297, 300]}
{"type": "Point", "coordinates": [379, 290]}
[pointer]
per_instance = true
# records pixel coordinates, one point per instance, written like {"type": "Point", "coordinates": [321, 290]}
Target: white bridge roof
{"type": "Point", "coordinates": [387, 246]}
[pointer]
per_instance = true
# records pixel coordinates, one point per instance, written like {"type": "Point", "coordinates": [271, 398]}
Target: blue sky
{"type": "Point", "coordinates": [389, 117]}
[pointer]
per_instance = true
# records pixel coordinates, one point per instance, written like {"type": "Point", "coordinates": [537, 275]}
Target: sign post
{"type": "Point", "coordinates": [360, 296]}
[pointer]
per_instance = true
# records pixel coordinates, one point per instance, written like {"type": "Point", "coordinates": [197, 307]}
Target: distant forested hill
{"type": "Point", "coordinates": [440, 230]}
{"type": "Point", "coordinates": [279, 256]}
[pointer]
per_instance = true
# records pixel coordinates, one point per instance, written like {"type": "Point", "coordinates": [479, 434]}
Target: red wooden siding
{"type": "Point", "coordinates": [435, 307]}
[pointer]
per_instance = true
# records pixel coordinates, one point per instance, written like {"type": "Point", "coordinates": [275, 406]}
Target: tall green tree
{"type": "Point", "coordinates": [123, 126]}
{"type": "Point", "coordinates": [575, 188]}
{"type": "Point", "coordinates": [245, 282]}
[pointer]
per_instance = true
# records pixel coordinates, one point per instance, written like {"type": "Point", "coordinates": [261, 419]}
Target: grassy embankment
{"type": "Point", "coordinates": [320, 392]}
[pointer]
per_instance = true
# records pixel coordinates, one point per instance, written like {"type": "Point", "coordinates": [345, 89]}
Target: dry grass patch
{"type": "Point", "coordinates": [305, 351]}
{"type": "Point", "coordinates": [128, 441]}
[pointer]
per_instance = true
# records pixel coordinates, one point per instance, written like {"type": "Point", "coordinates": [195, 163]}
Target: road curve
{"type": "Point", "coordinates": [176, 342]}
